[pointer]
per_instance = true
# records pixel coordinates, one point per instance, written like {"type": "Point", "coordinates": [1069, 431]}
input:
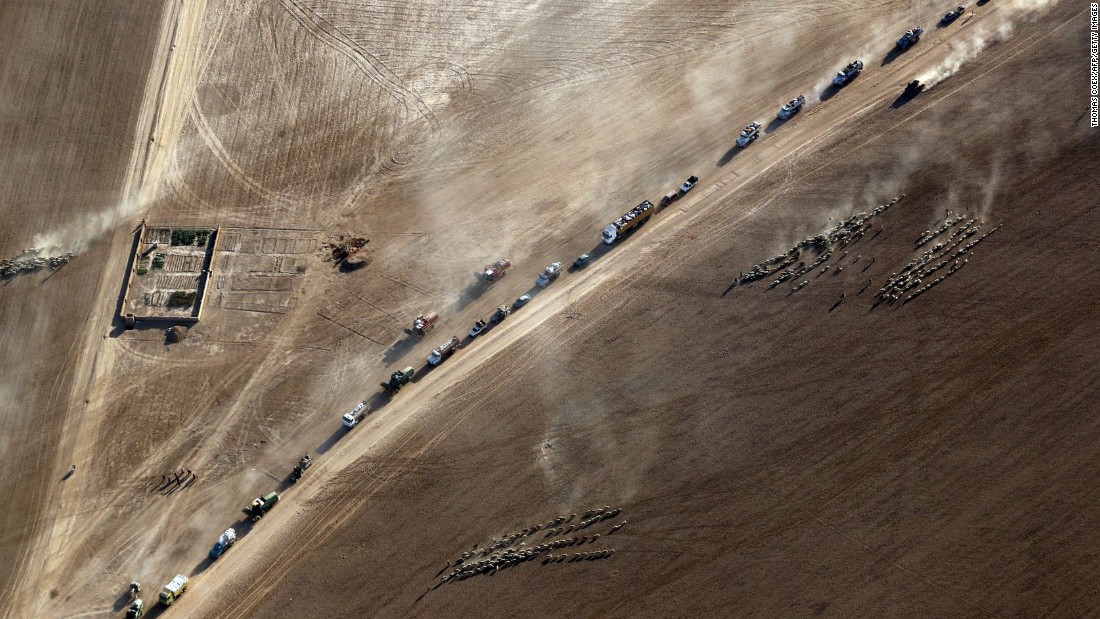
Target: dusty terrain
{"type": "Point", "coordinates": [774, 453]}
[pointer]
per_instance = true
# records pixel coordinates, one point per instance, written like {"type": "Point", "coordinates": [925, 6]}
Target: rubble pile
{"type": "Point", "coordinates": [31, 260]}
{"type": "Point", "coordinates": [343, 248]}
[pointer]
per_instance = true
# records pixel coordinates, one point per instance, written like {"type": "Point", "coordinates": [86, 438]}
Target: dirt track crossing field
{"type": "Point", "coordinates": [777, 452]}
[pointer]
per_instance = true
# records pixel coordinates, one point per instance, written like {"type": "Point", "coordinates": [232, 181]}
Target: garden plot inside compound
{"type": "Point", "coordinates": [169, 271]}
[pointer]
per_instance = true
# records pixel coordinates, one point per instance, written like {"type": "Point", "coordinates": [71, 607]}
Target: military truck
{"type": "Point", "coordinates": [173, 590]}
{"type": "Point", "coordinates": [261, 505]}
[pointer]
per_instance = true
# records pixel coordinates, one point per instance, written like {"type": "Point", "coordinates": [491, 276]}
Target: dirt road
{"type": "Point", "coordinates": [777, 453]}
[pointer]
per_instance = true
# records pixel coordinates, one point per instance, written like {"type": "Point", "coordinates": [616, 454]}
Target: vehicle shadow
{"type": "Point", "coordinates": [471, 293]}
{"type": "Point", "coordinates": [202, 565]}
{"type": "Point", "coordinates": [600, 250]}
{"type": "Point", "coordinates": [400, 348]}
{"type": "Point", "coordinates": [424, 371]}
{"type": "Point", "coordinates": [830, 91]}
{"type": "Point", "coordinates": [734, 151]}
{"type": "Point", "coordinates": [892, 55]}
{"type": "Point", "coordinates": [333, 439]}
{"type": "Point", "coordinates": [286, 483]}
{"type": "Point", "coordinates": [776, 123]}
{"type": "Point", "coordinates": [122, 601]}
{"type": "Point", "coordinates": [902, 99]}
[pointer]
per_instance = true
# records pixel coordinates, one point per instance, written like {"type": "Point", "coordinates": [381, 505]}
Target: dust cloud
{"type": "Point", "coordinates": [79, 234]}
{"type": "Point", "coordinates": [966, 48]}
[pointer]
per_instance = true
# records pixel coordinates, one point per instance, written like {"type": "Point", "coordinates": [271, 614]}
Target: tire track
{"type": "Point", "coordinates": [369, 65]}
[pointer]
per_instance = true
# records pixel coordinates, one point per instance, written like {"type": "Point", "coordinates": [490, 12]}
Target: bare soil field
{"type": "Point", "coordinates": [766, 449]}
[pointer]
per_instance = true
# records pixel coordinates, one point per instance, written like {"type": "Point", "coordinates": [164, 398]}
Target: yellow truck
{"type": "Point", "coordinates": [174, 589]}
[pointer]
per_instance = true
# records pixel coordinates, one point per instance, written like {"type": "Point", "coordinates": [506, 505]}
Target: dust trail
{"type": "Point", "coordinates": [1004, 22]}
{"type": "Point", "coordinates": [86, 228]}
{"type": "Point", "coordinates": [989, 191]}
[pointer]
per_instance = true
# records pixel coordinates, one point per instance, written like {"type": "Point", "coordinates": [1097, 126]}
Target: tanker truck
{"type": "Point", "coordinates": [630, 220]}
{"type": "Point", "coordinates": [444, 351]}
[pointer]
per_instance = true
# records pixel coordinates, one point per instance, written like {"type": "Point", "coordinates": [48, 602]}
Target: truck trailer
{"type": "Point", "coordinates": [261, 505]}
{"type": "Point", "coordinates": [444, 351]}
{"type": "Point", "coordinates": [630, 220]}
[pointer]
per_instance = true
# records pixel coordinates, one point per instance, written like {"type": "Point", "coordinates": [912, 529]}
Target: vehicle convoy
{"type": "Point", "coordinates": [749, 134]}
{"type": "Point", "coordinates": [479, 326]}
{"type": "Point", "coordinates": [446, 350]}
{"type": "Point", "coordinates": [792, 107]}
{"type": "Point", "coordinates": [848, 73]}
{"type": "Point", "coordinates": [356, 415]}
{"type": "Point", "coordinates": [630, 220]}
{"type": "Point", "coordinates": [226, 540]}
{"type": "Point", "coordinates": [260, 506]}
{"type": "Point", "coordinates": [910, 37]}
{"type": "Point", "coordinates": [548, 275]}
{"type": "Point", "coordinates": [422, 324]}
{"type": "Point", "coordinates": [398, 380]}
{"type": "Point", "coordinates": [493, 272]}
{"type": "Point", "coordinates": [173, 590]}
{"type": "Point", "coordinates": [673, 196]}
{"type": "Point", "coordinates": [502, 312]}
{"type": "Point", "coordinates": [304, 464]}
{"type": "Point", "coordinates": [136, 609]}
{"type": "Point", "coordinates": [953, 15]}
